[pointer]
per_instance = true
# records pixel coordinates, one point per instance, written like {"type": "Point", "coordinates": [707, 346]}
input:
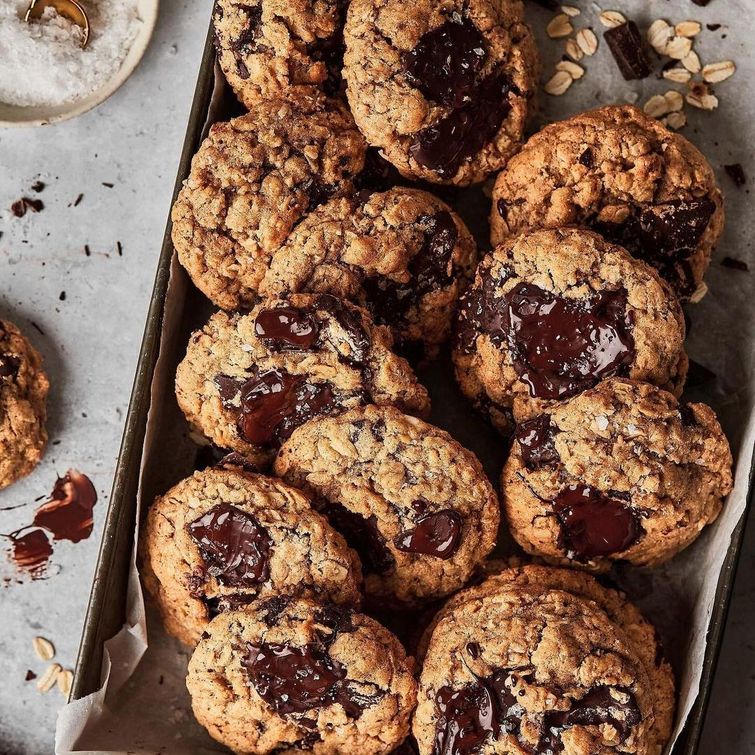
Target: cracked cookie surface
{"type": "Point", "coordinates": [551, 313]}
{"type": "Point", "coordinates": [441, 88]}
{"type": "Point", "coordinates": [625, 175]}
{"type": "Point", "coordinates": [248, 380]}
{"type": "Point", "coordinates": [224, 537]}
{"type": "Point", "coordinates": [23, 405]}
{"type": "Point", "coordinates": [252, 180]}
{"type": "Point", "coordinates": [622, 471]}
{"type": "Point", "coordinates": [292, 676]}
{"type": "Point", "coordinates": [517, 671]}
{"type": "Point", "coordinates": [267, 48]}
{"type": "Point", "coordinates": [402, 253]}
{"type": "Point", "coordinates": [414, 504]}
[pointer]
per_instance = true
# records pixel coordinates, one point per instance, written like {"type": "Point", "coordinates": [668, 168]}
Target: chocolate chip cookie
{"type": "Point", "coordinates": [409, 499]}
{"type": "Point", "coordinates": [625, 175]}
{"type": "Point", "coordinates": [639, 633]}
{"type": "Point", "coordinates": [289, 676]}
{"type": "Point", "coordinates": [442, 89]}
{"type": "Point", "coordinates": [267, 48]}
{"type": "Point", "coordinates": [23, 405]}
{"type": "Point", "coordinates": [622, 471]}
{"type": "Point", "coordinates": [528, 671]}
{"type": "Point", "coordinates": [403, 254]}
{"type": "Point", "coordinates": [248, 380]}
{"type": "Point", "coordinates": [252, 180]}
{"type": "Point", "coordinates": [551, 313]}
{"type": "Point", "coordinates": [221, 538]}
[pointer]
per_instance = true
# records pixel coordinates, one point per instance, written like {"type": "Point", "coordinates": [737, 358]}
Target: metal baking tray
{"type": "Point", "coordinates": [106, 609]}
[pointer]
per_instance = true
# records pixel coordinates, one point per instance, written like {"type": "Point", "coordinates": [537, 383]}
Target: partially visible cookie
{"type": "Point", "coordinates": [23, 405]}
{"type": "Point", "coordinates": [625, 175]}
{"type": "Point", "coordinates": [248, 380]}
{"type": "Point", "coordinates": [402, 253]}
{"type": "Point", "coordinates": [622, 471]}
{"type": "Point", "coordinates": [442, 88]}
{"type": "Point", "coordinates": [252, 180]}
{"type": "Point", "coordinates": [638, 631]}
{"type": "Point", "coordinates": [414, 504]}
{"type": "Point", "coordinates": [553, 312]}
{"type": "Point", "coordinates": [289, 676]}
{"type": "Point", "coordinates": [520, 671]}
{"type": "Point", "coordinates": [266, 48]}
{"type": "Point", "coordinates": [222, 538]}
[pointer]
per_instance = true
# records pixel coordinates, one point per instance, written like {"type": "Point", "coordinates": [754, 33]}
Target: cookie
{"type": "Point", "coordinates": [625, 175]}
{"type": "Point", "coordinates": [409, 499]}
{"type": "Point", "coordinates": [267, 48]}
{"type": "Point", "coordinates": [222, 538]}
{"type": "Point", "coordinates": [252, 180]}
{"type": "Point", "coordinates": [620, 472]}
{"type": "Point", "coordinates": [639, 633]}
{"type": "Point", "coordinates": [442, 89]}
{"type": "Point", "coordinates": [524, 671]}
{"type": "Point", "coordinates": [289, 676]}
{"type": "Point", "coordinates": [402, 253]}
{"type": "Point", "coordinates": [553, 312]}
{"type": "Point", "coordinates": [248, 380]}
{"type": "Point", "coordinates": [23, 405]}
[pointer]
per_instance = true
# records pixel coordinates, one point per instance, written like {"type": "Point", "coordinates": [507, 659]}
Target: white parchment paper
{"type": "Point", "coordinates": [143, 707]}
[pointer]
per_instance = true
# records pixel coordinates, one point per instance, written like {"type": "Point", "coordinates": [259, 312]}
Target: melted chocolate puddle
{"type": "Point", "coordinates": [435, 535]}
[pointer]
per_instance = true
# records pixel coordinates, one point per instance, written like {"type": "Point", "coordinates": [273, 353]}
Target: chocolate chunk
{"type": "Point", "coordinates": [38, 186]}
{"type": "Point", "coordinates": [737, 174]}
{"type": "Point", "coordinates": [273, 608]}
{"type": "Point", "coordinates": [317, 192]}
{"type": "Point", "coordinates": [592, 524]}
{"type": "Point", "coordinates": [687, 415]}
{"type": "Point", "coordinates": [536, 442]}
{"type": "Point", "coordinates": [625, 43]}
{"type": "Point", "coordinates": [68, 512]}
{"type": "Point", "coordinates": [21, 206]}
{"type": "Point", "coordinates": [285, 328]}
{"type": "Point", "coordinates": [9, 365]}
{"type": "Point", "coordinates": [234, 546]}
{"type": "Point", "coordinates": [731, 262]}
{"type": "Point", "coordinates": [474, 650]}
{"type": "Point", "coordinates": [350, 322]}
{"type": "Point", "coordinates": [587, 158]}
{"type": "Point", "coordinates": [446, 60]}
{"type": "Point", "coordinates": [436, 535]}
{"type": "Point", "coordinates": [338, 619]}
{"type": "Point", "coordinates": [235, 459]}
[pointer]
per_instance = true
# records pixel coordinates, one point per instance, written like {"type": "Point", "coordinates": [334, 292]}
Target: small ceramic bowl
{"type": "Point", "coordinates": [19, 115]}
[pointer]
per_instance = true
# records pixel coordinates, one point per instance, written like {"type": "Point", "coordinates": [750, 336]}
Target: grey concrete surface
{"type": "Point", "coordinates": [90, 341]}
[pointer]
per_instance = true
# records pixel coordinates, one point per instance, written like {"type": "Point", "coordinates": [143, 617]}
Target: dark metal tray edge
{"type": "Point", "coordinates": [105, 611]}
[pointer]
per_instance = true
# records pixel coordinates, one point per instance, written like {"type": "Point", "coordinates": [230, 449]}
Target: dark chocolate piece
{"type": "Point", "coordinates": [736, 172]}
{"type": "Point", "coordinates": [536, 442]}
{"type": "Point", "coordinates": [286, 328]}
{"type": "Point", "coordinates": [435, 535]}
{"type": "Point", "coordinates": [626, 46]}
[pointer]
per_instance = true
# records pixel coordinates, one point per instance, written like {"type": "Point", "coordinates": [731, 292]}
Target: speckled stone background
{"type": "Point", "coordinates": [90, 340]}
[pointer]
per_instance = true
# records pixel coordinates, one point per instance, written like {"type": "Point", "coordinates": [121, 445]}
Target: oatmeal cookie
{"type": "Point", "coordinates": [409, 499]}
{"type": "Point", "coordinates": [402, 253]}
{"type": "Point", "coordinates": [288, 676]}
{"type": "Point", "coordinates": [252, 180]}
{"type": "Point", "coordinates": [23, 405]}
{"type": "Point", "coordinates": [622, 471]}
{"type": "Point", "coordinates": [526, 671]}
{"type": "Point", "coordinates": [442, 88]}
{"type": "Point", "coordinates": [224, 537]}
{"type": "Point", "coordinates": [248, 380]}
{"type": "Point", "coordinates": [553, 312]}
{"type": "Point", "coordinates": [267, 48]}
{"type": "Point", "coordinates": [625, 175]}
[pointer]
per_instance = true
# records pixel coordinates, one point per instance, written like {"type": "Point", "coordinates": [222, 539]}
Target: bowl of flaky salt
{"type": "Point", "coordinates": [55, 65]}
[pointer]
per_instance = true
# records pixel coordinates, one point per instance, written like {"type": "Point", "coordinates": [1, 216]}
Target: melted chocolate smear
{"type": "Point", "coordinates": [435, 535]}
{"type": "Point", "coordinates": [562, 346]}
{"type": "Point", "coordinates": [9, 366]}
{"type": "Point", "coordinates": [446, 60]}
{"type": "Point", "coordinates": [31, 552]}
{"type": "Point", "coordinates": [462, 133]}
{"type": "Point", "coordinates": [536, 442]}
{"type": "Point", "coordinates": [592, 524]}
{"type": "Point", "coordinates": [235, 547]}
{"type": "Point", "coordinates": [68, 513]}
{"type": "Point", "coordinates": [286, 328]}
{"type": "Point", "coordinates": [626, 46]}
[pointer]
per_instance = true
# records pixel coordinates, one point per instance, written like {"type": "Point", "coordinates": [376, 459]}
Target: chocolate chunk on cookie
{"type": "Point", "coordinates": [624, 175]}
{"type": "Point", "coordinates": [223, 537]}
{"type": "Point", "coordinates": [441, 88]}
{"type": "Point", "coordinates": [551, 313]}
{"type": "Point", "coordinates": [249, 380]}
{"type": "Point", "coordinates": [289, 676]}
{"type": "Point", "coordinates": [630, 475]}
{"type": "Point", "coordinates": [415, 505]}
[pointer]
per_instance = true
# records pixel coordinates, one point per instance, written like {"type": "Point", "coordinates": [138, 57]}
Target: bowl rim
{"type": "Point", "coordinates": [148, 13]}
